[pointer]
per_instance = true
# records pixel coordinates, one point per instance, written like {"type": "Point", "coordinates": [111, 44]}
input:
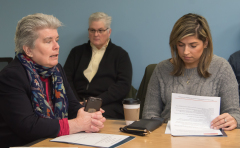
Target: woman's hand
{"type": "Point", "coordinates": [224, 121]}
{"type": "Point", "coordinates": [97, 121]}
{"type": "Point", "coordinates": [88, 122]}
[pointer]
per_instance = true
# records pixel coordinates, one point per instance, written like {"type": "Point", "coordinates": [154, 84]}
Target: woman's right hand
{"type": "Point", "coordinates": [88, 122]}
{"type": "Point", "coordinates": [224, 121]}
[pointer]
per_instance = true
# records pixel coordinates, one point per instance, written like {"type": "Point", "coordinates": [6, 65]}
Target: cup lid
{"type": "Point", "coordinates": [131, 101]}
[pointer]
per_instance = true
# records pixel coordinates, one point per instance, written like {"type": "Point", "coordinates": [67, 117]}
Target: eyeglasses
{"type": "Point", "coordinates": [100, 31]}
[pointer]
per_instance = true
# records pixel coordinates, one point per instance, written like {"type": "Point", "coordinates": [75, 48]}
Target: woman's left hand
{"type": "Point", "coordinates": [88, 122]}
{"type": "Point", "coordinates": [224, 121]}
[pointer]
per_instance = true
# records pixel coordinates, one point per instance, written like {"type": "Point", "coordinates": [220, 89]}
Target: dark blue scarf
{"type": "Point", "coordinates": [39, 102]}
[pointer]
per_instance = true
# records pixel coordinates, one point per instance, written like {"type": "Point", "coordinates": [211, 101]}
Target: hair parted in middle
{"type": "Point", "coordinates": [191, 25]}
{"type": "Point", "coordinates": [101, 16]}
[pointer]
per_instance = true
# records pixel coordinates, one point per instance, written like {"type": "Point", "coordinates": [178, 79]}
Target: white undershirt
{"type": "Point", "coordinates": [97, 55]}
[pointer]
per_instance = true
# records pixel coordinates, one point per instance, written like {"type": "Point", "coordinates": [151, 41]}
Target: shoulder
{"type": "Point", "coordinates": [219, 66]}
{"type": "Point", "coordinates": [163, 70]}
{"type": "Point", "coordinates": [165, 66]}
{"type": "Point", "coordinates": [80, 48]}
{"type": "Point", "coordinates": [116, 49]}
{"type": "Point", "coordinates": [234, 59]}
{"type": "Point", "coordinates": [235, 55]}
{"type": "Point", "coordinates": [14, 75]}
{"type": "Point", "coordinates": [218, 62]}
{"type": "Point", "coordinates": [14, 68]}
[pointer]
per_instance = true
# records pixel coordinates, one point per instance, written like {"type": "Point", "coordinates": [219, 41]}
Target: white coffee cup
{"type": "Point", "coordinates": [131, 110]}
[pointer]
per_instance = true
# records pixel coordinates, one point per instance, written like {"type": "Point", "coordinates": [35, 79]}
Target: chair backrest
{"type": "Point", "coordinates": [4, 61]}
{"type": "Point", "coordinates": [144, 84]}
{"type": "Point", "coordinates": [132, 93]}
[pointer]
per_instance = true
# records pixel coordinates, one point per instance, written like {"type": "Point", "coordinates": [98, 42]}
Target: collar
{"type": "Point", "coordinates": [104, 46]}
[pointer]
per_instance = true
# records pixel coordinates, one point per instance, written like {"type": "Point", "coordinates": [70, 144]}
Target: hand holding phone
{"type": "Point", "coordinates": [93, 104]}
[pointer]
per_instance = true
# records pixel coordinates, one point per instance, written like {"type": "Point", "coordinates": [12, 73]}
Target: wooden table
{"type": "Point", "coordinates": [158, 139]}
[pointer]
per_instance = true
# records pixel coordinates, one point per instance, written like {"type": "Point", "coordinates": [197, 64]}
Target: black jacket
{"type": "Point", "coordinates": [112, 81]}
{"type": "Point", "coordinates": [234, 61]}
{"type": "Point", "coordinates": [18, 123]}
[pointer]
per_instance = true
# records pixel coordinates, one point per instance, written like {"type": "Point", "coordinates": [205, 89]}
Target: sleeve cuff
{"type": "Point", "coordinates": [64, 127]}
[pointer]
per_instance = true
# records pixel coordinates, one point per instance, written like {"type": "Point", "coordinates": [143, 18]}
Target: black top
{"type": "Point", "coordinates": [112, 81]}
{"type": "Point", "coordinates": [18, 123]}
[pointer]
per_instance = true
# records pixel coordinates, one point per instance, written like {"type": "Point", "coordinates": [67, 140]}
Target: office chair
{"type": "Point", "coordinates": [132, 93]}
{"type": "Point", "coordinates": [144, 84]}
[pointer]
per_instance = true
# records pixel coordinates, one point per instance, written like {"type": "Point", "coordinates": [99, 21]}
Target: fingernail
{"type": "Point", "coordinates": [211, 127]}
{"type": "Point", "coordinates": [215, 128]}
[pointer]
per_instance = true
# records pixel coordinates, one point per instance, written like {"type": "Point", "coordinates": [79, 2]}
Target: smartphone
{"type": "Point", "coordinates": [93, 104]}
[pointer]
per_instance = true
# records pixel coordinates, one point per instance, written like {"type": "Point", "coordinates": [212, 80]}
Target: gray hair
{"type": "Point", "coordinates": [102, 17]}
{"type": "Point", "coordinates": [27, 27]}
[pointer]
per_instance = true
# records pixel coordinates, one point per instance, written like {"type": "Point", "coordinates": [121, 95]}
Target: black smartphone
{"type": "Point", "coordinates": [93, 104]}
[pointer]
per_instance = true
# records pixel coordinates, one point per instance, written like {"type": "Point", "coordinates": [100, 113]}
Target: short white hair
{"type": "Point", "coordinates": [101, 16]}
{"type": "Point", "coordinates": [27, 27]}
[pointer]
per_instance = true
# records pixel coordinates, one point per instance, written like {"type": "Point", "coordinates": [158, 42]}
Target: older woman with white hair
{"type": "Point", "coordinates": [36, 100]}
{"type": "Point", "coordinates": [100, 68]}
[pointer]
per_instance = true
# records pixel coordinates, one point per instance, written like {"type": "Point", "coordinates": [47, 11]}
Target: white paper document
{"type": "Point", "coordinates": [94, 139]}
{"type": "Point", "coordinates": [192, 115]}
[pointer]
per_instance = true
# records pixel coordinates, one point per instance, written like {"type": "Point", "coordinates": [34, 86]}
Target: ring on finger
{"type": "Point", "coordinates": [225, 120]}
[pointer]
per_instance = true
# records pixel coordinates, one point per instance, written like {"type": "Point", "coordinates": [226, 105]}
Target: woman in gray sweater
{"type": "Point", "coordinates": [193, 70]}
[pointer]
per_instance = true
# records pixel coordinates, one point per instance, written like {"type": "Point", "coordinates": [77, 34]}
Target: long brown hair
{"type": "Point", "coordinates": [191, 25]}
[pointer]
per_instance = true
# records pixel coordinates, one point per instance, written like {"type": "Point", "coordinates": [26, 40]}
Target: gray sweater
{"type": "Point", "coordinates": [222, 83]}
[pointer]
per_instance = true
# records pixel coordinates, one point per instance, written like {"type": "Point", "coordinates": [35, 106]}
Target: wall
{"type": "Point", "coordinates": [141, 27]}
